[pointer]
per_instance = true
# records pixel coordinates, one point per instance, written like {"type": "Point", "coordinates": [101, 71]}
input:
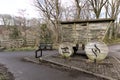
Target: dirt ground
{"type": "Point", "coordinates": [5, 74]}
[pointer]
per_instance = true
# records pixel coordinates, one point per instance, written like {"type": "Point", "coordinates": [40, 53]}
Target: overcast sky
{"type": "Point", "coordinates": [12, 7]}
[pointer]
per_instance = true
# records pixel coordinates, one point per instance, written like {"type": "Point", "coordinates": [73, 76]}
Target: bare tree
{"type": "Point", "coordinates": [33, 22]}
{"type": "Point", "coordinates": [113, 8]}
{"type": "Point", "coordinates": [23, 21]}
{"type": "Point", "coordinates": [51, 11]}
{"type": "Point", "coordinates": [22, 13]}
{"type": "Point", "coordinates": [87, 11]}
{"type": "Point", "coordinates": [97, 6]}
{"type": "Point", "coordinates": [79, 5]}
{"type": "Point", "coordinates": [68, 13]}
{"type": "Point", "coordinates": [6, 19]}
{"type": "Point", "coordinates": [18, 21]}
{"type": "Point", "coordinates": [106, 6]}
{"type": "Point", "coordinates": [78, 8]}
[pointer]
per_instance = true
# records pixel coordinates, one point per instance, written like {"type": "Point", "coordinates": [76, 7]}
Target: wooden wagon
{"type": "Point", "coordinates": [81, 32]}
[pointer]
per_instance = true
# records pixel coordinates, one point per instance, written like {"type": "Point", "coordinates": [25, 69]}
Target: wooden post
{"type": "Point", "coordinates": [111, 31]}
{"type": "Point", "coordinates": [88, 31]}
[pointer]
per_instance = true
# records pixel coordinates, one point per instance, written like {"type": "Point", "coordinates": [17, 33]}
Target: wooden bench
{"type": "Point", "coordinates": [43, 46]}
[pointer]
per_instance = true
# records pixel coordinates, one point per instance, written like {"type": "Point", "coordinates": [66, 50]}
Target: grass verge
{"type": "Point", "coordinates": [22, 49]}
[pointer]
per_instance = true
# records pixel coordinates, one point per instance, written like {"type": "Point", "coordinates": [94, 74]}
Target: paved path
{"type": "Point", "coordinates": [114, 50]}
{"type": "Point", "coordinates": [28, 71]}
{"type": "Point", "coordinates": [109, 68]}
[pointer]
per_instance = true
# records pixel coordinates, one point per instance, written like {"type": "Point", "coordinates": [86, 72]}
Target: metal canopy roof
{"type": "Point", "coordinates": [88, 21]}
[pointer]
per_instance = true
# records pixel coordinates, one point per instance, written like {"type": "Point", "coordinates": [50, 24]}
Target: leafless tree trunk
{"type": "Point", "coordinates": [66, 13]}
{"type": "Point", "coordinates": [23, 21]}
{"type": "Point", "coordinates": [51, 10]}
{"type": "Point", "coordinates": [106, 9]}
{"type": "Point", "coordinates": [112, 11]}
{"type": "Point", "coordinates": [113, 7]}
{"type": "Point", "coordinates": [6, 19]}
{"type": "Point", "coordinates": [79, 5]}
{"type": "Point", "coordinates": [86, 12]}
{"type": "Point", "coordinates": [97, 6]}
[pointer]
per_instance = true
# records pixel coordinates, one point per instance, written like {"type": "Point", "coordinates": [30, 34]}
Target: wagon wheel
{"type": "Point", "coordinates": [65, 49]}
{"type": "Point", "coordinates": [96, 51]}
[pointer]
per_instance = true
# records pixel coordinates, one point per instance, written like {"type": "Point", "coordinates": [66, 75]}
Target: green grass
{"type": "Point", "coordinates": [55, 46]}
{"type": "Point", "coordinates": [22, 49]}
{"type": "Point", "coordinates": [112, 41]}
